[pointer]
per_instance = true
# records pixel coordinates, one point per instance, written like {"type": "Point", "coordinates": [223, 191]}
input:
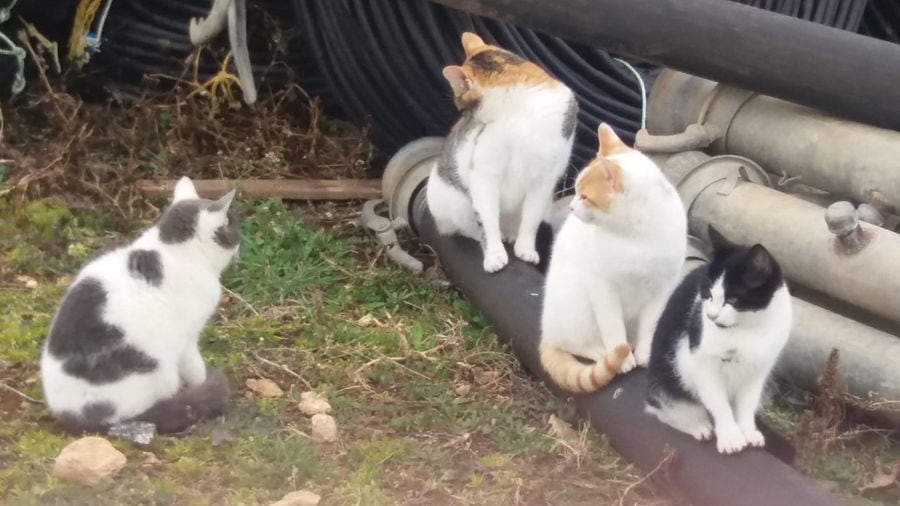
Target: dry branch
{"type": "Point", "coordinates": [308, 189]}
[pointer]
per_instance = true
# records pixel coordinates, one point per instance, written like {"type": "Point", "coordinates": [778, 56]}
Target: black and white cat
{"type": "Point", "coordinates": [716, 344]}
{"type": "Point", "coordinates": [123, 344]}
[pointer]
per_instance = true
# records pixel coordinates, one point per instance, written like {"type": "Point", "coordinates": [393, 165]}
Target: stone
{"type": "Point", "coordinates": [88, 461]}
{"type": "Point", "coordinates": [312, 403]}
{"type": "Point", "coordinates": [324, 428]}
{"type": "Point", "coordinates": [264, 387]}
{"type": "Point", "coordinates": [299, 498]}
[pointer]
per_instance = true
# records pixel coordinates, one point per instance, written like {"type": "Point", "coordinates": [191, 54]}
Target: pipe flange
{"type": "Point", "coordinates": [405, 171]}
{"type": "Point", "coordinates": [719, 168]}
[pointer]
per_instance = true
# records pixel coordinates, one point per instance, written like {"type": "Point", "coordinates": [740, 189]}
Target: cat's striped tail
{"type": "Point", "coordinates": [574, 376]}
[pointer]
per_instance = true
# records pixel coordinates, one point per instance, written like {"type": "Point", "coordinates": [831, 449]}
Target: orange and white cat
{"type": "Point", "coordinates": [494, 179]}
{"type": "Point", "coordinates": [615, 261]}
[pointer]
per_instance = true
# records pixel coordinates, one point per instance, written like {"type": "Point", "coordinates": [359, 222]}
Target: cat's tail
{"type": "Point", "coordinates": [191, 405]}
{"type": "Point", "coordinates": [574, 376]}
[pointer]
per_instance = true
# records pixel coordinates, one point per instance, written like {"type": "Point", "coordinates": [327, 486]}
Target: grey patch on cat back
{"type": "Point", "coordinates": [448, 169]}
{"type": "Point", "coordinates": [89, 347]}
{"type": "Point", "coordinates": [228, 236]}
{"type": "Point", "coordinates": [571, 118]}
{"type": "Point", "coordinates": [93, 418]}
{"type": "Point", "coordinates": [493, 60]}
{"type": "Point", "coordinates": [145, 264]}
{"type": "Point", "coordinates": [179, 223]}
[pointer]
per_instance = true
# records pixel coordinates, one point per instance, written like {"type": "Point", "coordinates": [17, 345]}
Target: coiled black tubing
{"type": "Point", "coordinates": [380, 61]}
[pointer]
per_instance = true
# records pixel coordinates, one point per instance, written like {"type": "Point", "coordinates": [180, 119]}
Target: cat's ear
{"type": "Point", "coordinates": [471, 43]}
{"type": "Point", "coordinates": [459, 81]}
{"type": "Point", "coordinates": [224, 202]}
{"type": "Point", "coordinates": [760, 265]}
{"type": "Point", "coordinates": [184, 190]}
{"type": "Point", "coordinates": [610, 143]}
{"type": "Point", "coordinates": [718, 241]}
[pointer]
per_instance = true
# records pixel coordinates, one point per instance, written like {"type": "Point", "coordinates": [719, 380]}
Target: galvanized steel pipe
{"type": "Point", "coordinates": [847, 159]}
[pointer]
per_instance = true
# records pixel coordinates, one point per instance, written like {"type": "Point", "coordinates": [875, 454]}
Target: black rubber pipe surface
{"type": "Point", "coordinates": [510, 301]}
{"type": "Point", "coordinates": [843, 73]}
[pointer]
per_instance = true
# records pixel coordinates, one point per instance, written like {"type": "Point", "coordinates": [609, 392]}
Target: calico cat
{"type": "Point", "coordinates": [614, 263]}
{"type": "Point", "coordinates": [494, 180]}
{"type": "Point", "coordinates": [716, 343]}
{"type": "Point", "coordinates": [123, 344]}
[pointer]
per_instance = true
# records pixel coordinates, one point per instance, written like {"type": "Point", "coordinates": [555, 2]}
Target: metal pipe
{"type": "Point", "coordinates": [788, 58]}
{"type": "Point", "coordinates": [511, 302]}
{"type": "Point", "coordinates": [842, 157]}
{"type": "Point", "coordinates": [730, 193]}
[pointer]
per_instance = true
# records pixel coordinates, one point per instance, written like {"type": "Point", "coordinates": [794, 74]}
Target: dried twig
{"type": "Point", "coordinates": [283, 368]}
{"type": "Point", "coordinates": [22, 394]}
{"type": "Point", "coordinates": [662, 465]}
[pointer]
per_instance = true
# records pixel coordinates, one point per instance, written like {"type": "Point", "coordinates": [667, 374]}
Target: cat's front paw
{"type": "Point", "coordinates": [629, 364]}
{"type": "Point", "coordinates": [730, 439]}
{"type": "Point", "coordinates": [494, 260]}
{"type": "Point", "coordinates": [702, 431]}
{"type": "Point", "coordinates": [527, 254]}
{"type": "Point", "coordinates": [642, 352]}
{"type": "Point", "coordinates": [754, 437]}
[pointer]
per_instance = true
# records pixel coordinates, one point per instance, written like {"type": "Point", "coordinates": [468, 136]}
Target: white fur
{"type": "Point", "coordinates": [510, 171]}
{"type": "Point", "coordinates": [611, 273]}
{"type": "Point", "coordinates": [163, 322]}
{"type": "Point", "coordinates": [727, 372]}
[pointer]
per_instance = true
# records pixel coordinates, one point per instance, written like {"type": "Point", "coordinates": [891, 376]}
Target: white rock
{"type": "Point", "coordinates": [88, 461]}
{"type": "Point", "coordinates": [324, 428]}
{"type": "Point", "coordinates": [312, 403]}
{"type": "Point", "coordinates": [299, 498]}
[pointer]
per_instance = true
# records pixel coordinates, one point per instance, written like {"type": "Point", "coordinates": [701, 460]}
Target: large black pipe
{"type": "Point", "coordinates": [844, 73]}
{"type": "Point", "coordinates": [511, 303]}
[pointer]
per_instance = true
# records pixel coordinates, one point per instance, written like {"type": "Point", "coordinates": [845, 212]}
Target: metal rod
{"type": "Point", "coordinates": [844, 73]}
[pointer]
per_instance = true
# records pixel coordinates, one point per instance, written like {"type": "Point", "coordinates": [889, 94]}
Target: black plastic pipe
{"type": "Point", "coordinates": [843, 73]}
{"type": "Point", "coordinates": [510, 301]}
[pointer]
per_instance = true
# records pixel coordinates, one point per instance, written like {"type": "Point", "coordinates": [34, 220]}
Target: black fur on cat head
{"type": "Point", "coordinates": [752, 275]}
{"type": "Point", "coordinates": [180, 222]}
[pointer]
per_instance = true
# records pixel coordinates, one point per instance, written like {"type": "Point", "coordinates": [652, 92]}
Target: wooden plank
{"type": "Point", "coordinates": [299, 189]}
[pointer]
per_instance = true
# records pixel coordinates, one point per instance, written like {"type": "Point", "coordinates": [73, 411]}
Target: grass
{"type": "Point", "coordinates": [430, 409]}
{"type": "Point", "coordinates": [390, 350]}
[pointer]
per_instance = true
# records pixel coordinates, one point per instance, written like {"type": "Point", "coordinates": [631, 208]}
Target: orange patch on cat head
{"type": "Point", "coordinates": [599, 183]}
{"type": "Point", "coordinates": [486, 66]}
{"type": "Point", "coordinates": [610, 143]}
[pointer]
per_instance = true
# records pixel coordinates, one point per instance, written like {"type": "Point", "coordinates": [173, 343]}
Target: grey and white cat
{"type": "Point", "coordinates": [123, 344]}
{"type": "Point", "coordinates": [494, 180]}
{"type": "Point", "coordinates": [716, 344]}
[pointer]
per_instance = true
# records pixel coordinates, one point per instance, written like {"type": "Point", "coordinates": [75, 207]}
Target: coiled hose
{"type": "Point", "coordinates": [381, 61]}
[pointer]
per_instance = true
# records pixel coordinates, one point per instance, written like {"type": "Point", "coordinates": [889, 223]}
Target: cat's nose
{"type": "Point", "coordinates": [712, 314]}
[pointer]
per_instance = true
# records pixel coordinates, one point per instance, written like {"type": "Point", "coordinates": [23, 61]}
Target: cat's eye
{"type": "Point", "coordinates": [731, 301]}
{"type": "Point", "coordinates": [705, 292]}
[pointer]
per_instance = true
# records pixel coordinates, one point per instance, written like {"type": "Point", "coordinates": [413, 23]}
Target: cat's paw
{"type": "Point", "coordinates": [642, 353]}
{"type": "Point", "coordinates": [702, 431]}
{"type": "Point", "coordinates": [527, 254]}
{"type": "Point", "coordinates": [730, 439]}
{"type": "Point", "coordinates": [754, 437]}
{"type": "Point", "coordinates": [494, 260]}
{"type": "Point", "coordinates": [629, 364]}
